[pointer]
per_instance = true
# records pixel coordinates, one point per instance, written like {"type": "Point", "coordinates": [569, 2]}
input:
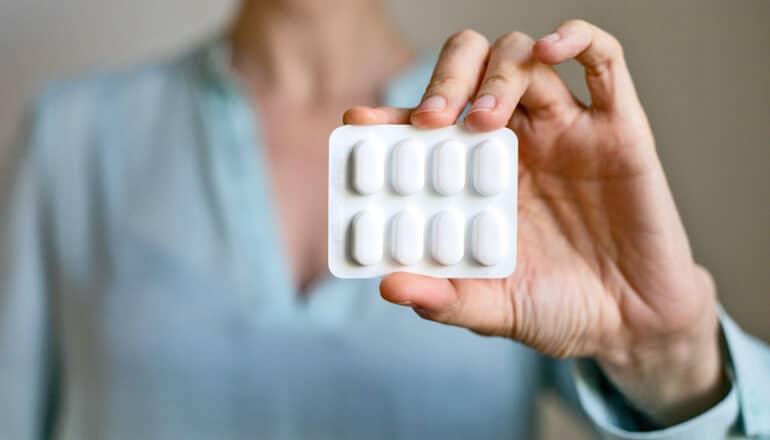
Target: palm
{"type": "Point", "coordinates": [589, 258]}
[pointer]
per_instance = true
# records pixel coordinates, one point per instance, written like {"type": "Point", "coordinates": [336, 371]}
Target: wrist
{"type": "Point", "coordinates": [674, 377]}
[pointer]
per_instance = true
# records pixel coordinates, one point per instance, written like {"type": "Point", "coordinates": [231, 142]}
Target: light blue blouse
{"type": "Point", "coordinates": [144, 294]}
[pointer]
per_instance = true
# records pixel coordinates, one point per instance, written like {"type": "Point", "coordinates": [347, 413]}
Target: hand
{"type": "Point", "coordinates": [604, 266]}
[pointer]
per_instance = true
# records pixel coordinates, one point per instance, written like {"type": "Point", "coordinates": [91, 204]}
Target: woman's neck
{"type": "Point", "coordinates": [298, 51]}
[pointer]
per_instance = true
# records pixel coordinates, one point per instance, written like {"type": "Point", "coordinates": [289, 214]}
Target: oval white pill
{"type": "Point", "coordinates": [449, 167]}
{"type": "Point", "coordinates": [408, 167]}
{"type": "Point", "coordinates": [448, 238]}
{"type": "Point", "coordinates": [407, 238]}
{"type": "Point", "coordinates": [488, 238]}
{"type": "Point", "coordinates": [490, 170]}
{"type": "Point", "coordinates": [368, 166]}
{"type": "Point", "coordinates": [367, 238]}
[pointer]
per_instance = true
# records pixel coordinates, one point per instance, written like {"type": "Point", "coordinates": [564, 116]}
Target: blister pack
{"type": "Point", "coordinates": [438, 202]}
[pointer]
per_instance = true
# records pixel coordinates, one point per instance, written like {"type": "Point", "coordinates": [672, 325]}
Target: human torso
{"type": "Point", "coordinates": [296, 147]}
{"type": "Point", "coordinates": [176, 318]}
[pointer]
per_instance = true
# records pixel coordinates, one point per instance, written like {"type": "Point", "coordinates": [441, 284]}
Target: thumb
{"type": "Point", "coordinates": [481, 305]}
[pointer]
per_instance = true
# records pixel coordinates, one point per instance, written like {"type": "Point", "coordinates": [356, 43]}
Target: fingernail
{"type": "Point", "coordinates": [552, 37]}
{"type": "Point", "coordinates": [433, 104]}
{"type": "Point", "coordinates": [484, 103]}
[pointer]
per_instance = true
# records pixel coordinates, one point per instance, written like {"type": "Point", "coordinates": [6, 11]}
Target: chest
{"type": "Point", "coordinates": [174, 320]}
{"type": "Point", "coordinates": [296, 148]}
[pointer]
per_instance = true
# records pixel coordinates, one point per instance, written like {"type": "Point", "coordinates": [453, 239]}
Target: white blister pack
{"type": "Point", "coordinates": [438, 202]}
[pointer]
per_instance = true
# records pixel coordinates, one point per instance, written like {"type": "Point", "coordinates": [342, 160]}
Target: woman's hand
{"type": "Point", "coordinates": [604, 266]}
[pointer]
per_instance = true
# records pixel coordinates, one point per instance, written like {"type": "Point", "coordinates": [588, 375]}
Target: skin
{"type": "Point", "coordinates": [311, 60]}
{"type": "Point", "coordinates": [604, 270]}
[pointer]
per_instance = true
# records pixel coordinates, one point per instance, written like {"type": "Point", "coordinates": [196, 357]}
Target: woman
{"type": "Point", "coordinates": [163, 269]}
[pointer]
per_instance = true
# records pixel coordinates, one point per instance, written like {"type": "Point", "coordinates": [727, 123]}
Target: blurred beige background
{"type": "Point", "coordinates": [702, 68]}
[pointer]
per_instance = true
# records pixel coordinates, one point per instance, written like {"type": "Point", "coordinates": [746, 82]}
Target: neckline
{"type": "Point", "coordinates": [327, 300]}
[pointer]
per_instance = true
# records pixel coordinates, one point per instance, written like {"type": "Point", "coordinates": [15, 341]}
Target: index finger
{"type": "Point", "coordinates": [455, 79]}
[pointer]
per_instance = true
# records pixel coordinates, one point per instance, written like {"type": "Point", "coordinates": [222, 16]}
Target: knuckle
{"type": "Point", "coordinates": [444, 82]}
{"type": "Point", "coordinates": [606, 47]}
{"type": "Point", "coordinates": [444, 316]}
{"type": "Point", "coordinates": [465, 37]}
{"type": "Point", "coordinates": [614, 47]}
{"type": "Point", "coordinates": [515, 38]}
{"type": "Point", "coordinates": [607, 54]}
{"type": "Point", "coordinates": [498, 80]}
{"type": "Point", "coordinates": [576, 23]}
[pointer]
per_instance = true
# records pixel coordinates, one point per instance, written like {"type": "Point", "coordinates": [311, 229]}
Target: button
{"type": "Point", "coordinates": [407, 238]}
{"type": "Point", "coordinates": [449, 167]}
{"type": "Point", "coordinates": [488, 238]}
{"type": "Point", "coordinates": [368, 167]}
{"type": "Point", "coordinates": [408, 167]}
{"type": "Point", "coordinates": [490, 169]}
{"type": "Point", "coordinates": [448, 238]}
{"type": "Point", "coordinates": [367, 238]}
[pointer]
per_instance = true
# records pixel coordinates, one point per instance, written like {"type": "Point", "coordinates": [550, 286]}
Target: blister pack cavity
{"type": "Point", "coordinates": [438, 202]}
